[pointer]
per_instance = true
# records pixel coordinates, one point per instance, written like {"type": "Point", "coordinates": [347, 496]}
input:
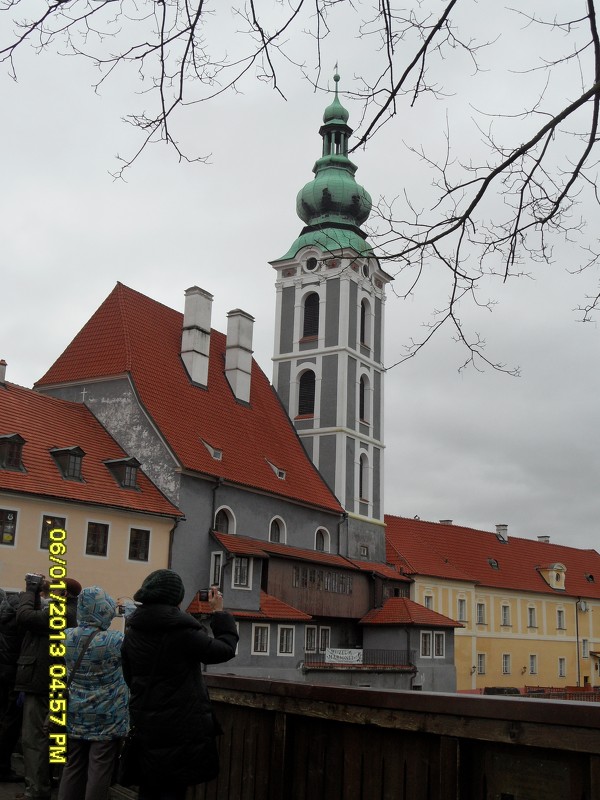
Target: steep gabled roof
{"type": "Point", "coordinates": [244, 545]}
{"type": "Point", "coordinates": [402, 611]}
{"type": "Point", "coordinates": [454, 552]}
{"type": "Point", "coordinates": [270, 609]}
{"type": "Point", "coordinates": [47, 423]}
{"type": "Point", "coordinates": [131, 334]}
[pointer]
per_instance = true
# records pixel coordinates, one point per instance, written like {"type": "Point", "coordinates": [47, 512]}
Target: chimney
{"type": "Point", "coordinates": [445, 522]}
{"type": "Point", "coordinates": [544, 539]}
{"type": "Point", "coordinates": [502, 532]}
{"type": "Point", "coordinates": [195, 338]}
{"type": "Point", "coordinates": [238, 353]}
{"type": "Point", "coordinates": [3, 372]}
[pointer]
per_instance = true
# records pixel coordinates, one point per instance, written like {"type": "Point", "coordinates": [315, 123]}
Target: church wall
{"type": "Point", "coordinates": [362, 532]}
{"type": "Point", "coordinates": [327, 452]}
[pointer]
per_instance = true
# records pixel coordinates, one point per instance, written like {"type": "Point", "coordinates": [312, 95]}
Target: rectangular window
{"type": "Point", "coordinates": [533, 665]}
{"type": "Point", "coordinates": [97, 539]}
{"type": "Point", "coordinates": [320, 580]}
{"type": "Point", "coordinates": [139, 544]}
{"type": "Point", "coordinates": [304, 577]}
{"type": "Point", "coordinates": [585, 648]}
{"type": "Point", "coordinates": [310, 639]}
{"type": "Point", "coordinates": [560, 619]}
{"type": "Point", "coordinates": [216, 561]}
{"type": "Point", "coordinates": [506, 663]}
{"type": "Point", "coordinates": [439, 645]}
{"type": "Point", "coordinates": [260, 640]}
{"type": "Point", "coordinates": [562, 667]}
{"type": "Point", "coordinates": [49, 523]}
{"type": "Point", "coordinates": [241, 572]}
{"type": "Point", "coordinates": [481, 663]}
{"type": "Point", "coordinates": [286, 641]}
{"type": "Point", "coordinates": [295, 577]}
{"type": "Point", "coordinates": [481, 613]}
{"type": "Point", "coordinates": [8, 526]}
{"type": "Point", "coordinates": [531, 617]}
{"type": "Point", "coordinates": [324, 639]}
{"type": "Point", "coordinates": [428, 601]}
{"type": "Point", "coordinates": [462, 609]}
{"type": "Point", "coordinates": [425, 644]}
{"type": "Point", "coordinates": [506, 615]}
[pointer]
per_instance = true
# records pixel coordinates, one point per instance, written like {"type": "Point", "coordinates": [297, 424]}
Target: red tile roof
{"type": "Point", "coordinates": [383, 570]}
{"type": "Point", "coordinates": [46, 423]}
{"type": "Point", "coordinates": [270, 609]}
{"type": "Point", "coordinates": [402, 611]}
{"type": "Point", "coordinates": [244, 545]}
{"type": "Point", "coordinates": [133, 334]}
{"type": "Point", "coordinates": [457, 553]}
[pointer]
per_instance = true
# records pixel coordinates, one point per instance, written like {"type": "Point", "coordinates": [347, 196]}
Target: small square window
{"type": "Point", "coordinates": [8, 526]}
{"type": "Point", "coordinates": [364, 551]}
{"type": "Point", "coordinates": [139, 544]}
{"type": "Point", "coordinates": [97, 539]}
{"type": "Point", "coordinates": [50, 523]}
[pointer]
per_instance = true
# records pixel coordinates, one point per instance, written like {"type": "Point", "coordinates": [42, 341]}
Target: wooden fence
{"type": "Point", "coordinates": [295, 741]}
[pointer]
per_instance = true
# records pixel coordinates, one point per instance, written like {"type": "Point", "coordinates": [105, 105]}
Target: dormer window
{"type": "Point", "coordinates": [11, 451]}
{"type": "Point", "coordinates": [68, 460]}
{"type": "Point", "coordinates": [124, 471]}
{"type": "Point", "coordinates": [277, 470]}
{"type": "Point", "coordinates": [214, 451]}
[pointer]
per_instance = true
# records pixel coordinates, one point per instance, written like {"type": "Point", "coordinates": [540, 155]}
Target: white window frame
{"type": "Point", "coordinates": [426, 644]}
{"type": "Point", "coordinates": [148, 556]}
{"type": "Point", "coordinates": [428, 601]}
{"type": "Point", "coordinates": [506, 665]}
{"type": "Point", "coordinates": [560, 619]}
{"type": "Point", "coordinates": [505, 612]}
{"type": "Point", "coordinates": [533, 664]}
{"type": "Point", "coordinates": [439, 636]}
{"type": "Point", "coordinates": [531, 617]}
{"type": "Point", "coordinates": [324, 630]}
{"type": "Point", "coordinates": [87, 532]}
{"type": "Point", "coordinates": [282, 530]}
{"type": "Point", "coordinates": [231, 517]}
{"type": "Point", "coordinates": [461, 609]}
{"type": "Point", "coordinates": [481, 663]}
{"type": "Point", "coordinates": [255, 627]}
{"type": "Point", "coordinates": [216, 555]}
{"type": "Point", "coordinates": [326, 540]}
{"type": "Point", "coordinates": [280, 630]}
{"type": "Point", "coordinates": [239, 586]}
{"type": "Point", "coordinates": [585, 648]}
{"type": "Point", "coordinates": [562, 667]}
{"type": "Point", "coordinates": [480, 613]}
{"type": "Point", "coordinates": [315, 631]}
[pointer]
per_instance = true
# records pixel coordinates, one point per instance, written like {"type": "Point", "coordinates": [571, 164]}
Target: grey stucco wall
{"type": "Point", "coordinates": [329, 391]}
{"type": "Point", "coordinates": [332, 317]}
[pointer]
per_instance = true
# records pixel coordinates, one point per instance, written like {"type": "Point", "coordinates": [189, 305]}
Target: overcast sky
{"type": "Point", "coordinates": [478, 448]}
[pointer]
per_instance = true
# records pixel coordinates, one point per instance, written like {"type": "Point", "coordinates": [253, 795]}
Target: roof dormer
{"type": "Point", "coordinates": [11, 451]}
{"type": "Point", "coordinates": [68, 460]}
{"type": "Point", "coordinates": [554, 575]}
{"type": "Point", "coordinates": [124, 471]}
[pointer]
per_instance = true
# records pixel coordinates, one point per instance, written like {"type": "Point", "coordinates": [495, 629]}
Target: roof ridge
{"type": "Point", "coordinates": [126, 335]}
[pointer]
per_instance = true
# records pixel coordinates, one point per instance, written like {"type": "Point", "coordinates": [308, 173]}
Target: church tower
{"type": "Point", "coordinates": [328, 359]}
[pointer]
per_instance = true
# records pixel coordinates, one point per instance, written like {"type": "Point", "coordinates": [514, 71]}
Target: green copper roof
{"type": "Point", "coordinates": [333, 205]}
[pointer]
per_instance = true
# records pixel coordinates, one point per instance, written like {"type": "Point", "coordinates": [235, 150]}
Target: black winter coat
{"type": "Point", "coordinates": [10, 640]}
{"type": "Point", "coordinates": [34, 660]}
{"type": "Point", "coordinates": [170, 709]}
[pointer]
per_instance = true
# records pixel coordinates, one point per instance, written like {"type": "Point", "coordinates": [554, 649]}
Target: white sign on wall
{"type": "Point", "coordinates": [343, 656]}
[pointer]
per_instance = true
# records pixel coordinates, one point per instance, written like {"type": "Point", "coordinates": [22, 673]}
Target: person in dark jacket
{"type": "Point", "coordinates": [10, 710]}
{"type": "Point", "coordinates": [169, 706]}
{"type": "Point", "coordinates": [33, 680]}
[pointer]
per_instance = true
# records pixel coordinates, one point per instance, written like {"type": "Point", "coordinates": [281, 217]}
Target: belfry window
{"type": "Point", "coordinates": [310, 325]}
{"type": "Point", "coordinates": [363, 478]}
{"type": "Point", "coordinates": [306, 393]}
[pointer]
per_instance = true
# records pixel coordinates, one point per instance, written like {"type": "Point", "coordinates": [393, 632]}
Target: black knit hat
{"type": "Point", "coordinates": [161, 586]}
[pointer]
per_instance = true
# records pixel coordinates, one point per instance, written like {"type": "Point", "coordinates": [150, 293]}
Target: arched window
{"type": "Point", "coordinates": [322, 540]}
{"type": "Point", "coordinates": [310, 325]}
{"type": "Point", "coordinates": [306, 393]}
{"type": "Point", "coordinates": [363, 478]}
{"type": "Point", "coordinates": [275, 531]}
{"type": "Point", "coordinates": [363, 399]}
{"type": "Point", "coordinates": [365, 323]}
{"type": "Point", "coordinates": [224, 521]}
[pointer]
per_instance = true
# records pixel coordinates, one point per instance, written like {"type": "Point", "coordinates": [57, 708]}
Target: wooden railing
{"type": "Point", "coordinates": [296, 741]}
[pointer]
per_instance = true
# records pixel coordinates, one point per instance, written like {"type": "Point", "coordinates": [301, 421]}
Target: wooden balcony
{"type": "Point", "coordinates": [296, 741]}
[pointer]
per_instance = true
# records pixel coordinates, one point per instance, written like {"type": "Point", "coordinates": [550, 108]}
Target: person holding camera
{"type": "Point", "coordinates": [32, 679]}
{"type": "Point", "coordinates": [170, 710]}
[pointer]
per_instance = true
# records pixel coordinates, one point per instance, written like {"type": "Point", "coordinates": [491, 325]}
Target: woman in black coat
{"type": "Point", "coordinates": [169, 706]}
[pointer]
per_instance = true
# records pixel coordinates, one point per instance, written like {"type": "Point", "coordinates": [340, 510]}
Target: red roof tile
{"type": "Point", "coordinates": [244, 545]}
{"type": "Point", "coordinates": [270, 609]}
{"type": "Point", "coordinates": [131, 333]}
{"type": "Point", "coordinates": [402, 611]}
{"type": "Point", "coordinates": [46, 423]}
{"type": "Point", "coordinates": [383, 570]}
{"type": "Point", "coordinates": [457, 553]}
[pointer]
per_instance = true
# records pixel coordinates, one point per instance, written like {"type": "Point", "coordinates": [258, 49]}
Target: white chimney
{"type": "Point", "coordinates": [3, 371]}
{"type": "Point", "coordinates": [445, 522]}
{"type": "Point", "coordinates": [545, 539]}
{"type": "Point", "coordinates": [195, 338]}
{"type": "Point", "coordinates": [238, 353]}
{"type": "Point", "coordinates": [502, 532]}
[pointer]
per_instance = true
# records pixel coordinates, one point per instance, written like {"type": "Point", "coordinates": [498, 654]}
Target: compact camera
{"type": "Point", "coordinates": [203, 595]}
{"type": "Point", "coordinates": [34, 578]}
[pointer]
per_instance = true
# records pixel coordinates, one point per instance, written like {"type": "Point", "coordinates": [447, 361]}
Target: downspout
{"type": "Point", "coordinates": [171, 537]}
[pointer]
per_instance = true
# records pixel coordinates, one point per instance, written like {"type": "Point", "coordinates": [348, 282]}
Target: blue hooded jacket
{"type": "Point", "coordinates": [98, 695]}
